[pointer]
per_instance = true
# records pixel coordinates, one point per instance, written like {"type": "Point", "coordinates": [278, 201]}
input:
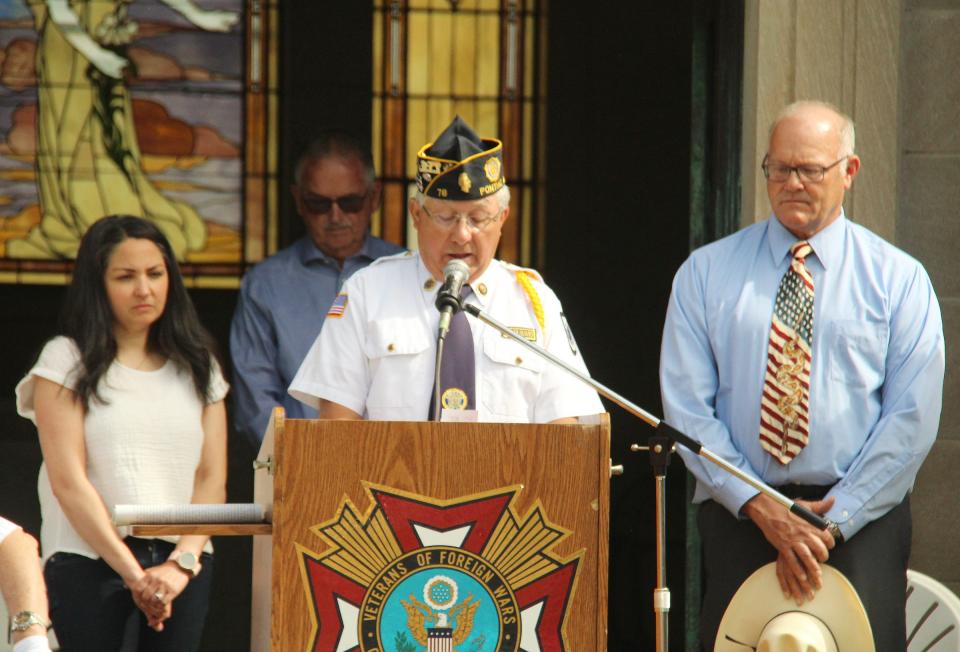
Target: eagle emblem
{"type": "Point", "coordinates": [424, 618]}
{"type": "Point", "coordinates": [418, 574]}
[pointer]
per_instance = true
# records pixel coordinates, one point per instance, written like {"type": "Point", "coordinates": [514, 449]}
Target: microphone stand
{"type": "Point", "coordinates": [660, 448]}
{"type": "Point", "coordinates": [441, 338]}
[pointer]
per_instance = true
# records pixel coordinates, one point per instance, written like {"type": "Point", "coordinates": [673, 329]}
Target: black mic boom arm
{"type": "Point", "coordinates": [662, 427]}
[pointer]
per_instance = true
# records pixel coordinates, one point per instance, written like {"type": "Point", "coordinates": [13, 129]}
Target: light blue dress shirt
{"type": "Point", "coordinates": [281, 307]}
{"type": "Point", "coordinates": [876, 382]}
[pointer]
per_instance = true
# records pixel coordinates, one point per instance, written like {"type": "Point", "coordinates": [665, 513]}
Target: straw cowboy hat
{"type": "Point", "coordinates": [760, 618]}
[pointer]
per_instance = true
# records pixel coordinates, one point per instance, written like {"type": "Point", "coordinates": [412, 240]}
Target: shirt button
{"type": "Point", "coordinates": [845, 513]}
{"type": "Point", "coordinates": [428, 284]}
{"type": "Point", "coordinates": [391, 347]}
{"type": "Point", "coordinates": [482, 289]}
{"type": "Point", "coordinates": [519, 360]}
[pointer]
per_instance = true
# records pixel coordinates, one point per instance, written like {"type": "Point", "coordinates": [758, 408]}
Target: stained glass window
{"type": "Point", "coordinates": [158, 108]}
{"type": "Point", "coordinates": [481, 59]}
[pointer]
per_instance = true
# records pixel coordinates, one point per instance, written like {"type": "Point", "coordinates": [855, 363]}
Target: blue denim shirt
{"type": "Point", "coordinates": [282, 304]}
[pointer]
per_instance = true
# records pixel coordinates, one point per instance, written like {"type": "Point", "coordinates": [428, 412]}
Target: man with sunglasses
{"type": "Point", "coordinates": [284, 299]}
{"type": "Point", "coordinates": [808, 352]}
{"type": "Point", "coordinates": [375, 356]}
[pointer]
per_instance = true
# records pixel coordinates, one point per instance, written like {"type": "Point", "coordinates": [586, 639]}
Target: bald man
{"type": "Point", "coordinates": [808, 352]}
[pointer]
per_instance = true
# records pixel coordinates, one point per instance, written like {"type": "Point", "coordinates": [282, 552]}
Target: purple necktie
{"type": "Point", "coordinates": [458, 375]}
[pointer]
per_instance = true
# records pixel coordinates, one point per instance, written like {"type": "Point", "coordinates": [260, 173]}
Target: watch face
{"type": "Point", "coordinates": [187, 560]}
{"type": "Point", "coordinates": [25, 620]}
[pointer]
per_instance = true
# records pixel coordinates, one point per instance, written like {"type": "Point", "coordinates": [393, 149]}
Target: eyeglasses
{"type": "Point", "coordinates": [474, 223]}
{"type": "Point", "coordinates": [778, 172]}
{"type": "Point", "coordinates": [320, 205]}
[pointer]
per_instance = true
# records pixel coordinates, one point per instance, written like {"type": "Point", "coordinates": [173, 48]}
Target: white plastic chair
{"type": "Point", "coordinates": [933, 615]}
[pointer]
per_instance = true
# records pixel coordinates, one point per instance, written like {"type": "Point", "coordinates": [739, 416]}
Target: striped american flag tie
{"type": "Point", "coordinates": [785, 404]}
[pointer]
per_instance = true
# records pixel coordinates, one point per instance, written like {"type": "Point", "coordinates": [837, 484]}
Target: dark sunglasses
{"type": "Point", "coordinates": [320, 205]}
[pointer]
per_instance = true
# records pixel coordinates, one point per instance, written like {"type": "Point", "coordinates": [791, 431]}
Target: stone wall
{"type": "Point", "coordinates": [928, 226]}
{"type": "Point", "coordinates": [890, 64]}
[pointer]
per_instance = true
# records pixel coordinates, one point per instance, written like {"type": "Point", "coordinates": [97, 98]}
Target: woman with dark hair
{"type": "Point", "coordinates": [128, 403]}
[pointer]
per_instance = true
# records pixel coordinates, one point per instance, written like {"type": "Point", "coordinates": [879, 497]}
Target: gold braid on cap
{"type": "Point", "coordinates": [523, 278]}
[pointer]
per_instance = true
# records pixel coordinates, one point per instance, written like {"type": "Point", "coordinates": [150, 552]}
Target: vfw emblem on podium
{"type": "Point", "coordinates": [416, 574]}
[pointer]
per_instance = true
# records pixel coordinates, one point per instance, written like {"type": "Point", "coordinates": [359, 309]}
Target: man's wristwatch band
{"type": "Point", "coordinates": [834, 529]}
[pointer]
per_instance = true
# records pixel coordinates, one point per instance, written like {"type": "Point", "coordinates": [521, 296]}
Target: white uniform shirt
{"type": "Point", "coordinates": [377, 359]}
{"type": "Point", "coordinates": [143, 446]}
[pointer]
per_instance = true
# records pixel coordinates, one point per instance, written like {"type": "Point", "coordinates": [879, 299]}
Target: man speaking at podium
{"type": "Point", "coordinates": [375, 355]}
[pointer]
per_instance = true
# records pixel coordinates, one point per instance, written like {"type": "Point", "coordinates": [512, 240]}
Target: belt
{"type": "Point", "coordinates": [804, 491]}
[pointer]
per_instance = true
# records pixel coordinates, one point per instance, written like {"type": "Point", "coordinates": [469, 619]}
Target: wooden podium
{"type": "Point", "coordinates": [513, 517]}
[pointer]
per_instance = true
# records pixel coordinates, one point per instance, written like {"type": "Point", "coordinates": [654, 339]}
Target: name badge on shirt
{"type": "Point", "coordinates": [529, 334]}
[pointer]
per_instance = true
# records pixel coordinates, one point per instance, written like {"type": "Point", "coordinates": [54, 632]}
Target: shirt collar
{"type": "Point", "coordinates": [826, 244]}
{"type": "Point", "coordinates": [309, 253]}
{"type": "Point", "coordinates": [425, 278]}
{"type": "Point", "coordinates": [482, 286]}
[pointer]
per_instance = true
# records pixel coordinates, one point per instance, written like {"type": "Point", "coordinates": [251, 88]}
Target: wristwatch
{"type": "Point", "coordinates": [24, 620]}
{"type": "Point", "coordinates": [834, 529]}
{"type": "Point", "coordinates": [187, 561]}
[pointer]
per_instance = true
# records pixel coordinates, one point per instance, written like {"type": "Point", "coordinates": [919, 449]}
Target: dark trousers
{"type": "Point", "coordinates": [874, 560]}
{"type": "Point", "coordinates": [92, 610]}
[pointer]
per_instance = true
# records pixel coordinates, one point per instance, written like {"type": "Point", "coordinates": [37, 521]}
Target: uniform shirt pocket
{"type": "Point", "coordinates": [398, 351]}
{"type": "Point", "coordinates": [857, 350]}
{"type": "Point", "coordinates": [512, 383]}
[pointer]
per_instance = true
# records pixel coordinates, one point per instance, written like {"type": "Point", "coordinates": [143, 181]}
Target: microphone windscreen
{"type": "Point", "coordinates": [456, 267]}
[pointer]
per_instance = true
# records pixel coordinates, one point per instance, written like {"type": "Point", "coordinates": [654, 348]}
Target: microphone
{"type": "Point", "coordinates": [455, 274]}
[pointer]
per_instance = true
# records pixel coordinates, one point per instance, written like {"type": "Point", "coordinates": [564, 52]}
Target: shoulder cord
{"type": "Point", "coordinates": [523, 278]}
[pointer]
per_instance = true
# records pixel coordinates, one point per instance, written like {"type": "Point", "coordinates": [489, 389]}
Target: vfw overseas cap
{"type": "Point", "coordinates": [459, 165]}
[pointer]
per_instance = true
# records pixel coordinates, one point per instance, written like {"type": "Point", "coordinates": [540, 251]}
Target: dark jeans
{"type": "Point", "coordinates": [874, 560]}
{"type": "Point", "coordinates": [92, 610]}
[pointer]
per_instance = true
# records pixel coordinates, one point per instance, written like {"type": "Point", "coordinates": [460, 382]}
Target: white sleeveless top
{"type": "Point", "coordinates": [143, 444]}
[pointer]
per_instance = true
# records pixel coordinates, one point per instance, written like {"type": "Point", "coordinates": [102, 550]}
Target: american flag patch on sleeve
{"type": "Point", "coordinates": [339, 306]}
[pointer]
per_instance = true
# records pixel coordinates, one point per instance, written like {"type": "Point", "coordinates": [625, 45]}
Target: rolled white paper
{"type": "Point", "coordinates": [189, 513]}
